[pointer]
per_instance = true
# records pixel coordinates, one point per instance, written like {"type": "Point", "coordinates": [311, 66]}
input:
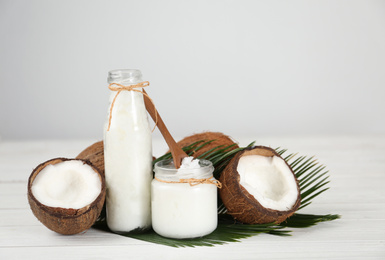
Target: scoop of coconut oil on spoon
{"type": "Point", "coordinates": [177, 153]}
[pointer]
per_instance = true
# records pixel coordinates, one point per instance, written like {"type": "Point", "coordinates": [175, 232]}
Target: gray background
{"type": "Point", "coordinates": [240, 67]}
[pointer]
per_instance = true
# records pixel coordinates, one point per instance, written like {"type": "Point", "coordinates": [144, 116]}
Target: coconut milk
{"type": "Point", "coordinates": [128, 158]}
{"type": "Point", "coordinates": [181, 210]}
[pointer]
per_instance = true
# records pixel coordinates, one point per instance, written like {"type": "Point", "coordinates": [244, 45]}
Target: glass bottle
{"type": "Point", "coordinates": [128, 157]}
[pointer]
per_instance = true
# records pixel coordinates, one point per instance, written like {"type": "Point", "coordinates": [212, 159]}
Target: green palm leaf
{"type": "Point", "coordinates": [227, 231]}
{"type": "Point", "coordinates": [312, 179]}
{"type": "Point", "coordinates": [307, 220]}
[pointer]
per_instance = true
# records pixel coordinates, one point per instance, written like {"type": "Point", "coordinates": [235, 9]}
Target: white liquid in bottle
{"type": "Point", "coordinates": [128, 158]}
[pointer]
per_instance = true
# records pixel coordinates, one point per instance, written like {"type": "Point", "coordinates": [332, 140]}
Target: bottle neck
{"type": "Point", "coordinates": [125, 76]}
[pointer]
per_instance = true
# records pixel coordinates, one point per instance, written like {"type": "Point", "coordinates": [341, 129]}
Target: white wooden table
{"type": "Point", "coordinates": [357, 174]}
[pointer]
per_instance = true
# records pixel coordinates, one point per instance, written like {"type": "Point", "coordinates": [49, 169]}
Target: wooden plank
{"type": "Point", "coordinates": [259, 250]}
{"type": "Point", "coordinates": [357, 169]}
{"type": "Point", "coordinates": [19, 158]}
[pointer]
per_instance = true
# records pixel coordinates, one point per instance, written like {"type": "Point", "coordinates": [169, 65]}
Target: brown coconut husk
{"type": "Point", "coordinates": [95, 154]}
{"type": "Point", "coordinates": [240, 203]}
{"type": "Point", "coordinates": [66, 221]}
{"type": "Point", "coordinates": [219, 139]}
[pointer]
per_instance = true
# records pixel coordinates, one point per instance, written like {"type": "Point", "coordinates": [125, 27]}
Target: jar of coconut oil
{"type": "Point", "coordinates": [184, 200]}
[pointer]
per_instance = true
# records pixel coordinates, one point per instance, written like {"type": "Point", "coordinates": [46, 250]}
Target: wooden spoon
{"type": "Point", "coordinates": [177, 153]}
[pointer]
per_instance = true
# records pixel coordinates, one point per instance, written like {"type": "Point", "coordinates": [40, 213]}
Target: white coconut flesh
{"type": "Point", "coordinates": [69, 184]}
{"type": "Point", "coordinates": [269, 180]}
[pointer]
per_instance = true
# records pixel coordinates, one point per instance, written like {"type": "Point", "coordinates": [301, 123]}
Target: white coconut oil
{"type": "Point", "coordinates": [184, 210]}
{"type": "Point", "coordinates": [128, 157]}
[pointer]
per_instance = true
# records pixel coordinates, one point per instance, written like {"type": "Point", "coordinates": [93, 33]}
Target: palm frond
{"type": "Point", "coordinates": [308, 171]}
{"type": "Point", "coordinates": [307, 220]}
{"type": "Point", "coordinates": [312, 179]}
{"type": "Point", "coordinates": [227, 231]}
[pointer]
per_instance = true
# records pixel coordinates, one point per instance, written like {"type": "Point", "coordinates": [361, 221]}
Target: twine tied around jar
{"type": "Point", "coordinates": [119, 87]}
{"type": "Point", "coordinates": [194, 182]}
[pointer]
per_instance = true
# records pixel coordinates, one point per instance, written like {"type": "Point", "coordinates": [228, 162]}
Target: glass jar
{"type": "Point", "coordinates": [127, 156]}
{"type": "Point", "coordinates": [184, 206]}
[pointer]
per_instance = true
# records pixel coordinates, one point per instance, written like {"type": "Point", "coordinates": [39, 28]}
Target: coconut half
{"type": "Point", "coordinates": [66, 195]}
{"type": "Point", "coordinates": [258, 187]}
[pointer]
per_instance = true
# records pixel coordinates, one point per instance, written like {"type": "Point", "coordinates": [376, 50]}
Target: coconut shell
{"type": "Point", "coordinates": [66, 221]}
{"type": "Point", "coordinates": [95, 154]}
{"type": "Point", "coordinates": [219, 139]}
{"type": "Point", "coordinates": [240, 203]}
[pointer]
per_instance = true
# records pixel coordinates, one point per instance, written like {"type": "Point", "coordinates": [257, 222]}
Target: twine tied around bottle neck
{"type": "Point", "coordinates": [194, 182]}
{"type": "Point", "coordinates": [119, 87]}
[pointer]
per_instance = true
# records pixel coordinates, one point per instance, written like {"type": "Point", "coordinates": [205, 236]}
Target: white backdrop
{"type": "Point", "coordinates": [240, 67]}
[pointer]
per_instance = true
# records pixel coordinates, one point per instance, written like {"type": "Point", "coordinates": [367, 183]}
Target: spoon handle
{"type": "Point", "coordinates": [177, 153]}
